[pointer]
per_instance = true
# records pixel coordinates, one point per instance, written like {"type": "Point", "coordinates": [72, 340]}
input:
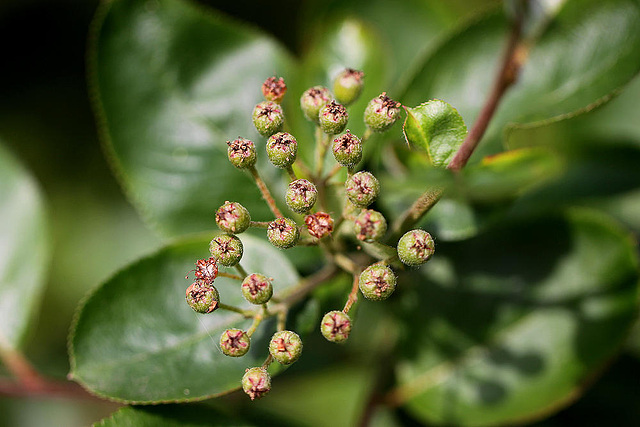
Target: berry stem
{"type": "Point", "coordinates": [353, 295]}
{"type": "Point", "coordinates": [292, 174]}
{"type": "Point", "coordinates": [308, 284]}
{"type": "Point", "coordinates": [267, 361]}
{"type": "Point", "coordinates": [266, 195]}
{"type": "Point", "coordinates": [241, 270]}
{"type": "Point", "coordinates": [257, 319]}
{"type": "Point", "coordinates": [345, 263]}
{"type": "Point", "coordinates": [259, 224]}
{"type": "Point", "coordinates": [230, 276]}
{"type": "Point", "coordinates": [282, 318]}
{"type": "Point", "coordinates": [245, 313]}
{"type": "Point", "coordinates": [322, 141]}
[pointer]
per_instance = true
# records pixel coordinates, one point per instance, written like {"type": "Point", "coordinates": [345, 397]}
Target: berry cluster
{"type": "Point", "coordinates": [312, 222]}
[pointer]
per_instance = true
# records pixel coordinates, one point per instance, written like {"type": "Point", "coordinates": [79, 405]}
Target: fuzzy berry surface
{"type": "Point", "coordinates": [268, 118]}
{"type": "Point", "coordinates": [227, 249]}
{"type": "Point", "coordinates": [336, 326]}
{"type": "Point", "coordinates": [312, 100]}
{"type": "Point", "coordinates": [333, 118]}
{"type": "Point", "coordinates": [362, 188]}
{"type": "Point", "coordinates": [415, 247]}
{"type": "Point", "coordinates": [377, 282]}
{"type": "Point", "coordinates": [283, 233]}
{"type": "Point", "coordinates": [301, 195]}
{"type": "Point", "coordinates": [274, 89]}
{"type": "Point", "coordinates": [347, 149]}
{"type": "Point", "coordinates": [257, 288]}
{"type": "Point", "coordinates": [370, 225]}
{"type": "Point", "coordinates": [233, 218]}
{"type": "Point", "coordinates": [319, 224]}
{"type": "Point", "coordinates": [206, 270]}
{"type": "Point", "coordinates": [242, 153]}
{"type": "Point", "coordinates": [285, 347]}
{"type": "Point", "coordinates": [348, 85]}
{"type": "Point", "coordinates": [381, 113]}
{"type": "Point", "coordinates": [202, 298]}
{"type": "Point", "coordinates": [234, 342]}
{"type": "Point", "coordinates": [256, 382]}
{"type": "Point", "coordinates": [282, 149]}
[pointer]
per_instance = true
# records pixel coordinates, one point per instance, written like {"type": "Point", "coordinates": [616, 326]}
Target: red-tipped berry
{"type": "Point", "coordinates": [283, 233]}
{"type": "Point", "coordinates": [235, 342]}
{"type": "Point", "coordinates": [274, 89]}
{"type": "Point", "coordinates": [415, 247]}
{"type": "Point", "coordinates": [348, 85]}
{"type": "Point", "coordinates": [282, 149]}
{"type": "Point", "coordinates": [268, 118]}
{"type": "Point", "coordinates": [257, 288]}
{"type": "Point", "coordinates": [202, 298]}
{"type": "Point", "coordinates": [319, 224]}
{"type": "Point", "coordinates": [256, 382]}
{"type": "Point", "coordinates": [312, 100]}
{"type": "Point", "coordinates": [301, 195]}
{"type": "Point", "coordinates": [233, 218]}
{"type": "Point", "coordinates": [226, 249]}
{"type": "Point", "coordinates": [336, 326]}
{"type": "Point", "coordinates": [285, 347]}
{"type": "Point", "coordinates": [381, 113]}
{"type": "Point", "coordinates": [370, 225]}
{"type": "Point", "coordinates": [362, 188]}
{"type": "Point", "coordinates": [242, 153]}
{"type": "Point", "coordinates": [377, 282]}
{"type": "Point", "coordinates": [333, 118]}
{"type": "Point", "coordinates": [206, 270]}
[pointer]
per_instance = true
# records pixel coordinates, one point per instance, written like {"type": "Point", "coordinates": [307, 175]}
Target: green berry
{"type": "Point", "coordinates": [256, 382]}
{"type": "Point", "coordinates": [336, 326]}
{"type": "Point", "coordinates": [282, 149]}
{"type": "Point", "coordinates": [285, 347]}
{"type": "Point", "coordinates": [381, 113]}
{"type": "Point", "coordinates": [377, 282]}
{"type": "Point", "coordinates": [283, 233]}
{"type": "Point", "coordinates": [202, 298]}
{"type": "Point", "coordinates": [257, 288]}
{"type": "Point", "coordinates": [235, 342]}
{"type": "Point", "coordinates": [233, 218]}
{"type": "Point", "coordinates": [274, 89]}
{"type": "Point", "coordinates": [362, 188]}
{"type": "Point", "coordinates": [415, 247]}
{"type": "Point", "coordinates": [370, 225]}
{"type": "Point", "coordinates": [319, 224]}
{"type": "Point", "coordinates": [226, 249]}
{"type": "Point", "coordinates": [333, 118]}
{"type": "Point", "coordinates": [312, 100]}
{"type": "Point", "coordinates": [347, 149]}
{"type": "Point", "coordinates": [301, 195]}
{"type": "Point", "coordinates": [268, 118]}
{"type": "Point", "coordinates": [348, 85]}
{"type": "Point", "coordinates": [242, 153]}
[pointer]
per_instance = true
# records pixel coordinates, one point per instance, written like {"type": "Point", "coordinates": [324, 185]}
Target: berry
{"type": "Point", "coordinates": [370, 225]}
{"type": "Point", "coordinates": [268, 118]}
{"type": "Point", "coordinates": [233, 218]}
{"type": "Point", "coordinates": [283, 233]}
{"type": "Point", "coordinates": [285, 347]}
{"type": "Point", "coordinates": [226, 249]}
{"type": "Point", "coordinates": [274, 89]}
{"type": "Point", "coordinates": [415, 247]}
{"type": "Point", "coordinates": [256, 382]}
{"type": "Point", "coordinates": [377, 282]}
{"type": "Point", "coordinates": [347, 149]}
{"type": "Point", "coordinates": [301, 195]}
{"type": "Point", "coordinates": [333, 118]}
{"type": "Point", "coordinates": [282, 149]}
{"type": "Point", "coordinates": [234, 342]}
{"type": "Point", "coordinates": [257, 288]}
{"type": "Point", "coordinates": [381, 113]}
{"type": "Point", "coordinates": [202, 298]}
{"type": "Point", "coordinates": [362, 188]}
{"type": "Point", "coordinates": [312, 100]}
{"type": "Point", "coordinates": [242, 153]}
{"type": "Point", "coordinates": [336, 326]}
{"type": "Point", "coordinates": [348, 85]}
{"type": "Point", "coordinates": [319, 224]}
{"type": "Point", "coordinates": [206, 270]}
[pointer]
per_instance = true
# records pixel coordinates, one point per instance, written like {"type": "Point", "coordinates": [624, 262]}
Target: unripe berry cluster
{"type": "Point", "coordinates": [313, 220]}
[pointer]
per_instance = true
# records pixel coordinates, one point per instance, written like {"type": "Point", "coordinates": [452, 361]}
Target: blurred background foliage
{"type": "Point", "coordinates": [47, 123]}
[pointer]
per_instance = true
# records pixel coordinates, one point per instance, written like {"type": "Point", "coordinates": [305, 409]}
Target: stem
{"type": "Point", "coordinates": [512, 61]}
{"type": "Point", "coordinates": [282, 319]}
{"type": "Point", "coordinates": [292, 174]}
{"type": "Point", "coordinates": [268, 361]}
{"type": "Point", "coordinates": [307, 285]}
{"type": "Point", "coordinates": [21, 369]}
{"type": "Point", "coordinates": [266, 195]}
{"type": "Point", "coordinates": [256, 322]}
{"type": "Point", "coordinates": [345, 263]}
{"type": "Point", "coordinates": [353, 295]}
{"type": "Point", "coordinates": [230, 276]}
{"type": "Point", "coordinates": [322, 141]}
{"type": "Point", "coordinates": [245, 313]}
{"type": "Point", "coordinates": [259, 224]}
{"type": "Point", "coordinates": [241, 270]}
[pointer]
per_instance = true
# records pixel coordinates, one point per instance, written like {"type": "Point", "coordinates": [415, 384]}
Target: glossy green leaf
{"type": "Point", "coordinates": [135, 338]}
{"type": "Point", "coordinates": [169, 416]}
{"type": "Point", "coordinates": [437, 128]}
{"type": "Point", "coordinates": [511, 324]}
{"type": "Point", "coordinates": [172, 83]}
{"type": "Point", "coordinates": [590, 49]}
{"type": "Point", "coordinates": [24, 250]}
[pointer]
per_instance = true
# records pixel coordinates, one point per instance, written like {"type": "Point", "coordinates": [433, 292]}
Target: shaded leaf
{"type": "Point", "coordinates": [169, 416]}
{"type": "Point", "coordinates": [437, 128]}
{"type": "Point", "coordinates": [24, 250]}
{"type": "Point", "coordinates": [135, 339]}
{"type": "Point", "coordinates": [511, 324]}
{"type": "Point", "coordinates": [171, 83]}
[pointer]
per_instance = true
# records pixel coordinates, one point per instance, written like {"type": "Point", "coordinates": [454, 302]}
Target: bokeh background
{"type": "Point", "coordinates": [47, 122]}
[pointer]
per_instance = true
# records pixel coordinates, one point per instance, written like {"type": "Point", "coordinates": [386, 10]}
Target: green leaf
{"type": "Point", "coordinates": [171, 83]}
{"type": "Point", "coordinates": [169, 416]}
{"type": "Point", "coordinates": [24, 250]}
{"type": "Point", "coordinates": [589, 50]}
{"type": "Point", "coordinates": [437, 128]}
{"type": "Point", "coordinates": [136, 340]}
{"type": "Point", "coordinates": [511, 324]}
